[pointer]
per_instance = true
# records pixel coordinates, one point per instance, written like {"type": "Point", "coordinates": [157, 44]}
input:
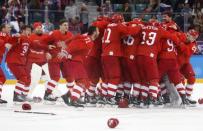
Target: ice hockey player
{"type": "Point", "coordinates": [112, 53]}
{"type": "Point", "coordinates": [4, 38]}
{"type": "Point", "coordinates": [168, 65]}
{"type": "Point", "coordinates": [147, 52]}
{"type": "Point", "coordinates": [76, 51]}
{"type": "Point", "coordinates": [16, 59]}
{"type": "Point", "coordinates": [130, 69]}
{"type": "Point", "coordinates": [92, 62]}
{"type": "Point", "coordinates": [38, 56]}
{"type": "Point", "coordinates": [59, 38]}
{"type": "Point", "coordinates": [184, 55]}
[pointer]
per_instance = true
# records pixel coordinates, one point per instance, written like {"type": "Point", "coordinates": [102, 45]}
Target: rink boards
{"type": "Point", "coordinates": [197, 63]}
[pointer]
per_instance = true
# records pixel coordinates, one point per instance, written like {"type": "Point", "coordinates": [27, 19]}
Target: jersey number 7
{"type": "Point", "coordinates": [106, 37]}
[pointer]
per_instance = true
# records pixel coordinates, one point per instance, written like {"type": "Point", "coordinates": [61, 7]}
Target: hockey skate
{"type": "Point", "coordinates": [101, 101]}
{"type": "Point", "coordinates": [154, 102]}
{"type": "Point", "coordinates": [166, 99]}
{"type": "Point", "coordinates": [49, 98]}
{"type": "Point", "coordinates": [82, 100]}
{"type": "Point", "coordinates": [66, 99]}
{"type": "Point", "coordinates": [91, 100]}
{"type": "Point", "coordinates": [18, 97]}
{"type": "Point", "coordinates": [111, 101]}
{"type": "Point", "coordinates": [184, 101]}
{"type": "Point", "coordinates": [144, 103]}
{"type": "Point", "coordinates": [127, 96]}
{"type": "Point", "coordinates": [76, 104]}
{"type": "Point", "coordinates": [3, 101]}
{"type": "Point", "coordinates": [135, 101]}
{"type": "Point", "coordinates": [118, 96]}
{"type": "Point", "coordinates": [191, 103]}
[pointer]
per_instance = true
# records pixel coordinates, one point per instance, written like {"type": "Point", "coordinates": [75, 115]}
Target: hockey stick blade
{"type": "Point", "coordinates": [34, 112]}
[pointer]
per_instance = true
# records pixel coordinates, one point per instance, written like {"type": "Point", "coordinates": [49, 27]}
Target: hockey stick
{"type": "Point", "coordinates": [33, 112]}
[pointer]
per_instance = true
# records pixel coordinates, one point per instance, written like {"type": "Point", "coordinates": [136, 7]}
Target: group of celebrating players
{"type": "Point", "coordinates": [112, 61]}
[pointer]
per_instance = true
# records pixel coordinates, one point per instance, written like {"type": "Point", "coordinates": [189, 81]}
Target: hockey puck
{"type": "Point", "coordinates": [112, 122]}
{"type": "Point", "coordinates": [26, 106]}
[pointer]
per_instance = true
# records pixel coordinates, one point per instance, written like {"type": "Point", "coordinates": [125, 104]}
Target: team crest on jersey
{"type": "Point", "coordinates": [111, 53]}
{"type": "Point", "coordinates": [151, 55]}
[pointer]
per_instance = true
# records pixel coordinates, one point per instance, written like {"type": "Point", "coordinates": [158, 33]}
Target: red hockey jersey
{"type": "Point", "coordinates": [4, 38]}
{"type": "Point", "coordinates": [111, 43]}
{"type": "Point", "coordinates": [38, 48]}
{"type": "Point", "coordinates": [185, 53]}
{"type": "Point", "coordinates": [19, 51]}
{"type": "Point", "coordinates": [96, 50]}
{"type": "Point", "coordinates": [79, 47]}
{"type": "Point", "coordinates": [151, 44]}
{"type": "Point", "coordinates": [54, 38]}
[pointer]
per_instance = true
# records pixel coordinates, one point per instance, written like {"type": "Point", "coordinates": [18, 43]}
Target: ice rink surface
{"type": "Point", "coordinates": [95, 119]}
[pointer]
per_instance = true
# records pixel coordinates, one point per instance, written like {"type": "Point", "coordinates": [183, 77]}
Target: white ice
{"type": "Point", "coordinates": [95, 119]}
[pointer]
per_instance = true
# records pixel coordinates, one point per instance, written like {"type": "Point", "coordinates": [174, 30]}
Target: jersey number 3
{"type": "Point", "coordinates": [25, 50]}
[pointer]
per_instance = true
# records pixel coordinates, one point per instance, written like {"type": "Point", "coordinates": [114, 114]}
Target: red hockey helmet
{"type": "Point", "coordinates": [116, 18]}
{"type": "Point", "coordinates": [123, 103]}
{"type": "Point", "coordinates": [154, 22]}
{"type": "Point", "coordinates": [37, 24]}
{"type": "Point", "coordinates": [137, 21]}
{"type": "Point", "coordinates": [103, 17]}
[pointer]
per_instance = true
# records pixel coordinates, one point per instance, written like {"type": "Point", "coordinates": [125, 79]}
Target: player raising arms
{"type": "Point", "coordinates": [93, 60]}
{"type": "Point", "coordinates": [112, 52]}
{"type": "Point", "coordinates": [4, 38]}
{"type": "Point", "coordinates": [16, 59]}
